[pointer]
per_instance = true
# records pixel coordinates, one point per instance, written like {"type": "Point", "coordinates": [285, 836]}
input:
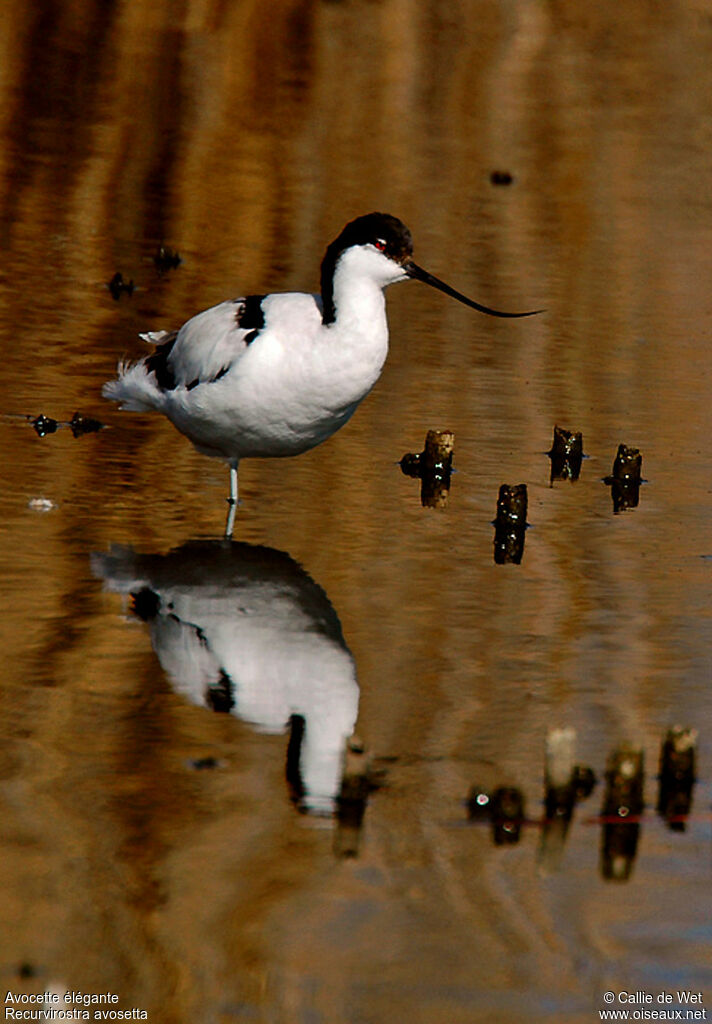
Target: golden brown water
{"type": "Point", "coordinates": [245, 135]}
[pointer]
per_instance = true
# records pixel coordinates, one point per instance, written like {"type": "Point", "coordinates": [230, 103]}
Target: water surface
{"type": "Point", "coordinates": [150, 846]}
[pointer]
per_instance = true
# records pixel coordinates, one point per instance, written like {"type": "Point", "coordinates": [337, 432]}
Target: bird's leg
{"type": "Point", "coordinates": [231, 501]}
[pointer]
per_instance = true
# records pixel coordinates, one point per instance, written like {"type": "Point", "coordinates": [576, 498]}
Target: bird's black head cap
{"type": "Point", "coordinates": [387, 233]}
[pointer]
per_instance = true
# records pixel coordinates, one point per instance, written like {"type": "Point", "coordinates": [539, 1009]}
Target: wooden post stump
{"type": "Point", "coordinates": [625, 479]}
{"type": "Point", "coordinates": [565, 783]}
{"type": "Point", "coordinates": [566, 454]}
{"type": "Point", "coordinates": [510, 524]}
{"type": "Point", "coordinates": [433, 466]}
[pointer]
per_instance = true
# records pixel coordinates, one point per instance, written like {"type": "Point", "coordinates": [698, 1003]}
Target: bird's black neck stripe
{"type": "Point", "coordinates": [328, 266]}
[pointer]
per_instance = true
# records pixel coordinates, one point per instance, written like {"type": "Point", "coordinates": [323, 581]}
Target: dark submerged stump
{"type": "Point", "coordinates": [433, 466]}
{"type": "Point", "coordinates": [677, 776]}
{"type": "Point", "coordinates": [625, 478]}
{"type": "Point", "coordinates": [622, 807]}
{"type": "Point", "coordinates": [510, 524]}
{"type": "Point", "coordinates": [566, 455]}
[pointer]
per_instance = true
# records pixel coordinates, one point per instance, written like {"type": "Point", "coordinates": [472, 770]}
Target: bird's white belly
{"type": "Point", "coordinates": [279, 400]}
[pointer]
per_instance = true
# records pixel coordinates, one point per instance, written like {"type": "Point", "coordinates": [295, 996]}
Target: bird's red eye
{"type": "Point", "coordinates": [380, 244]}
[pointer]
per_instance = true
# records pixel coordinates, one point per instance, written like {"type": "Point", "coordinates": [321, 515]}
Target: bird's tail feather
{"type": "Point", "coordinates": [134, 389]}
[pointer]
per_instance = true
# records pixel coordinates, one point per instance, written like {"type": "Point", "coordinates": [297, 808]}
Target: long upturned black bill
{"type": "Point", "coordinates": [418, 274]}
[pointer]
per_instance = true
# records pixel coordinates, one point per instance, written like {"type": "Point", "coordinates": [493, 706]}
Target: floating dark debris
{"type": "Point", "coordinates": [622, 808]}
{"type": "Point", "coordinates": [84, 425]}
{"type": "Point", "coordinates": [501, 178]}
{"type": "Point", "coordinates": [625, 479]}
{"type": "Point", "coordinates": [166, 259]}
{"type": "Point", "coordinates": [201, 764]}
{"type": "Point", "coordinates": [44, 424]}
{"type": "Point", "coordinates": [78, 424]}
{"type": "Point", "coordinates": [117, 286]}
{"type": "Point", "coordinates": [677, 776]}
{"type": "Point", "coordinates": [511, 524]}
{"type": "Point", "coordinates": [433, 466]}
{"type": "Point", "coordinates": [566, 455]}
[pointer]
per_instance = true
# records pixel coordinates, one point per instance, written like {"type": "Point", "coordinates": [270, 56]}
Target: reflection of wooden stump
{"type": "Point", "coordinates": [559, 795]}
{"type": "Point", "coordinates": [622, 806]}
{"type": "Point", "coordinates": [507, 810]}
{"type": "Point", "coordinates": [566, 455]}
{"type": "Point", "coordinates": [624, 481]}
{"type": "Point", "coordinates": [510, 524]}
{"type": "Point", "coordinates": [356, 785]}
{"type": "Point", "coordinates": [677, 776]}
{"type": "Point", "coordinates": [433, 466]}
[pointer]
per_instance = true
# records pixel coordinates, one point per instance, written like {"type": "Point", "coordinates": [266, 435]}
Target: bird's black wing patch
{"type": "Point", "coordinates": [250, 316]}
{"type": "Point", "coordinates": [158, 363]}
{"type": "Point", "coordinates": [210, 380]}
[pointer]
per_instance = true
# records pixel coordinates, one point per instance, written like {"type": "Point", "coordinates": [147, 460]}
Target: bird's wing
{"type": "Point", "coordinates": [207, 345]}
{"type": "Point", "coordinates": [211, 343]}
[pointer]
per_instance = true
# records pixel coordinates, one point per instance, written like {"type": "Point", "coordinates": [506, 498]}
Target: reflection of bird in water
{"type": "Point", "coordinates": [275, 375]}
{"type": "Point", "coordinates": [244, 629]}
